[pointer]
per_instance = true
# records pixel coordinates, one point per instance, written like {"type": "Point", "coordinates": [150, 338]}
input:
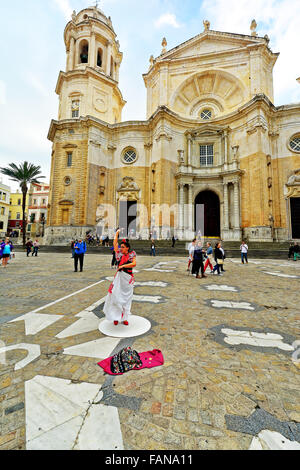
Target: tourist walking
{"type": "Point", "coordinates": [36, 247]}
{"type": "Point", "coordinates": [6, 251]}
{"type": "Point", "coordinates": [223, 258]}
{"type": "Point", "coordinates": [12, 254]}
{"type": "Point", "coordinates": [210, 258]}
{"type": "Point", "coordinates": [296, 252]}
{"type": "Point", "coordinates": [153, 248]}
{"type": "Point", "coordinates": [173, 241]}
{"type": "Point", "coordinates": [28, 246]}
{"type": "Point", "coordinates": [114, 262]}
{"type": "Point", "coordinates": [191, 254]}
{"type": "Point", "coordinates": [244, 252]}
{"type": "Point", "coordinates": [198, 261]}
{"type": "Point", "coordinates": [118, 302]}
{"type": "Point", "coordinates": [218, 259]}
{"type": "Point", "coordinates": [72, 247]}
{"type": "Point", "coordinates": [80, 251]}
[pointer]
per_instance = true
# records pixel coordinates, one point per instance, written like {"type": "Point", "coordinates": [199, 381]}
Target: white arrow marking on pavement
{"type": "Point", "coordinates": [234, 305]}
{"type": "Point", "coordinates": [35, 322]}
{"type": "Point", "coordinates": [265, 340]}
{"type": "Point", "coordinates": [271, 440]}
{"type": "Point", "coordinates": [144, 284]}
{"type": "Point", "coordinates": [57, 418]}
{"type": "Point", "coordinates": [278, 274]}
{"type": "Point", "coordinates": [99, 349]}
{"type": "Point", "coordinates": [221, 288]}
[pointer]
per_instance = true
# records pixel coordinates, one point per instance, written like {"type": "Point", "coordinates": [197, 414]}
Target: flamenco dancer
{"type": "Point", "coordinates": [118, 302]}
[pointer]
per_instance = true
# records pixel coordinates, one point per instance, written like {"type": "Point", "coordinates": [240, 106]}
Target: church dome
{"type": "Point", "coordinates": [91, 13]}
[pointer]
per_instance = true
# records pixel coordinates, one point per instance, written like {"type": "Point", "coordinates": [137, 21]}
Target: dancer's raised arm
{"type": "Point", "coordinates": [116, 241]}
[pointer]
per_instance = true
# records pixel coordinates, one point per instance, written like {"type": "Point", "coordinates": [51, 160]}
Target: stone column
{"type": "Point", "coordinates": [108, 58]}
{"type": "Point", "coordinates": [117, 71]}
{"type": "Point", "coordinates": [226, 147]}
{"type": "Point", "coordinates": [93, 51]}
{"type": "Point", "coordinates": [226, 207]}
{"type": "Point", "coordinates": [71, 54]}
{"type": "Point", "coordinates": [236, 198]}
{"type": "Point", "coordinates": [190, 208]}
{"type": "Point", "coordinates": [181, 206]}
{"type": "Point", "coordinates": [163, 86]}
{"type": "Point", "coordinates": [76, 58]}
{"type": "Point", "coordinates": [189, 150]}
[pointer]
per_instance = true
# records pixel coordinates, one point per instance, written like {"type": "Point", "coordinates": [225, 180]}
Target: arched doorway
{"type": "Point", "coordinates": [295, 217]}
{"type": "Point", "coordinates": [207, 208]}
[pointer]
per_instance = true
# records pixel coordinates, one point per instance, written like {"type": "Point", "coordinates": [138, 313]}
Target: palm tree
{"type": "Point", "coordinates": [24, 174]}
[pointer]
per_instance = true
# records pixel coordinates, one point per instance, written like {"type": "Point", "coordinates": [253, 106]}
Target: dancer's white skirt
{"type": "Point", "coordinates": [119, 299]}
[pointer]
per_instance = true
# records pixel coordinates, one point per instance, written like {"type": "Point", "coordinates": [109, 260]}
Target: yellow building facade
{"type": "Point", "coordinates": [15, 221]}
{"type": "Point", "coordinates": [212, 138]}
{"type": "Point", "coordinates": [4, 208]}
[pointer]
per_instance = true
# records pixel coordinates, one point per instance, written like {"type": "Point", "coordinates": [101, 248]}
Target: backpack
{"type": "Point", "coordinates": [127, 359]}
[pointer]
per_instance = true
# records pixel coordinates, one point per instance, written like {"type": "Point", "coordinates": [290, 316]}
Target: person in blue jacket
{"type": "Point", "coordinates": [80, 251]}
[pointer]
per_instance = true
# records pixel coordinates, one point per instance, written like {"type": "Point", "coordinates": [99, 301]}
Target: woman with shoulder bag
{"type": "Point", "coordinates": [218, 258]}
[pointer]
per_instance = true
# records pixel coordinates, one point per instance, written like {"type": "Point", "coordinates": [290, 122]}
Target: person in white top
{"type": "Point", "coordinates": [244, 250]}
{"type": "Point", "coordinates": [191, 253]}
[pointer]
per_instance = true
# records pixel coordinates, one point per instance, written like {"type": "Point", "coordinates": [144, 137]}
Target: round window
{"type": "Point", "coordinates": [206, 114]}
{"type": "Point", "coordinates": [129, 156]}
{"type": "Point", "coordinates": [295, 144]}
{"type": "Point", "coordinates": [67, 180]}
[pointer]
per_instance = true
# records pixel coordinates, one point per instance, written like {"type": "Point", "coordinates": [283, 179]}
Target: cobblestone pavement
{"type": "Point", "coordinates": [231, 348]}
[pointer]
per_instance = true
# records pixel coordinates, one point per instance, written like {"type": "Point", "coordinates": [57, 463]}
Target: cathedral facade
{"type": "Point", "coordinates": [212, 137]}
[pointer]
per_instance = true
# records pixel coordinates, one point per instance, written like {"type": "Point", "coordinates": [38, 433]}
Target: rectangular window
{"type": "Point", "coordinates": [65, 216]}
{"type": "Point", "coordinates": [34, 202]}
{"type": "Point", "coordinates": [2, 210]}
{"type": "Point", "coordinates": [1, 225]}
{"type": "Point", "coordinates": [69, 158]}
{"type": "Point", "coordinates": [75, 109]}
{"type": "Point", "coordinates": [44, 202]}
{"type": "Point", "coordinates": [206, 155]}
{"type": "Point", "coordinates": [18, 216]}
{"type": "Point", "coordinates": [19, 202]}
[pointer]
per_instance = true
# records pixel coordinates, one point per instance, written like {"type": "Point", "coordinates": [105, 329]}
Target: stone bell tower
{"type": "Point", "coordinates": [89, 86]}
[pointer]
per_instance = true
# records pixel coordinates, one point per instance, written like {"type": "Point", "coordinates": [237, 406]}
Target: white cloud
{"type": "Point", "coordinates": [167, 19]}
{"type": "Point", "coordinates": [65, 8]}
{"type": "Point", "coordinates": [276, 18]}
{"type": "Point", "coordinates": [2, 92]}
{"type": "Point", "coordinates": [37, 84]}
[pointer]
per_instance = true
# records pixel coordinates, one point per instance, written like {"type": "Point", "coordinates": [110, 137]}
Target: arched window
{"type": "Point", "coordinates": [100, 57]}
{"type": "Point", "coordinates": [84, 52]}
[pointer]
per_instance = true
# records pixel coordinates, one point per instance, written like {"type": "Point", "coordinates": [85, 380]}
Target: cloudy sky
{"type": "Point", "coordinates": [33, 53]}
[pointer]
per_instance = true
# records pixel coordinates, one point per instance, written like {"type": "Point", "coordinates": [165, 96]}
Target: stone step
{"type": "Point", "coordinates": [179, 251]}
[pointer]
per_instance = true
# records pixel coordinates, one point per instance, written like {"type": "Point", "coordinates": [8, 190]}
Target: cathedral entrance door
{"type": "Point", "coordinates": [211, 203]}
{"type": "Point", "coordinates": [295, 217]}
{"type": "Point", "coordinates": [127, 218]}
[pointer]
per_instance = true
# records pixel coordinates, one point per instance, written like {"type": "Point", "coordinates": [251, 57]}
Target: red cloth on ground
{"type": "Point", "coordinates": [149, 359]}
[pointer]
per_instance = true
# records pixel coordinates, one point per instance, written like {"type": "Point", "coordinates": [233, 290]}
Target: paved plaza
{"type": "Point", "coordinates": [231, 346]}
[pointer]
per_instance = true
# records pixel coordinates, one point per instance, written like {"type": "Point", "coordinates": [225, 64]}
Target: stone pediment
{"type": "Point", "coordinates": [128, 184]}
{"type": "Point", "coordinates": [128, 190]}
{"type": "Point", "coordinates": [206, 129]}
{"type": "Point", "coordinates": [211, 42]}
{"type": "Point", "coordinates": [66, 202]}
